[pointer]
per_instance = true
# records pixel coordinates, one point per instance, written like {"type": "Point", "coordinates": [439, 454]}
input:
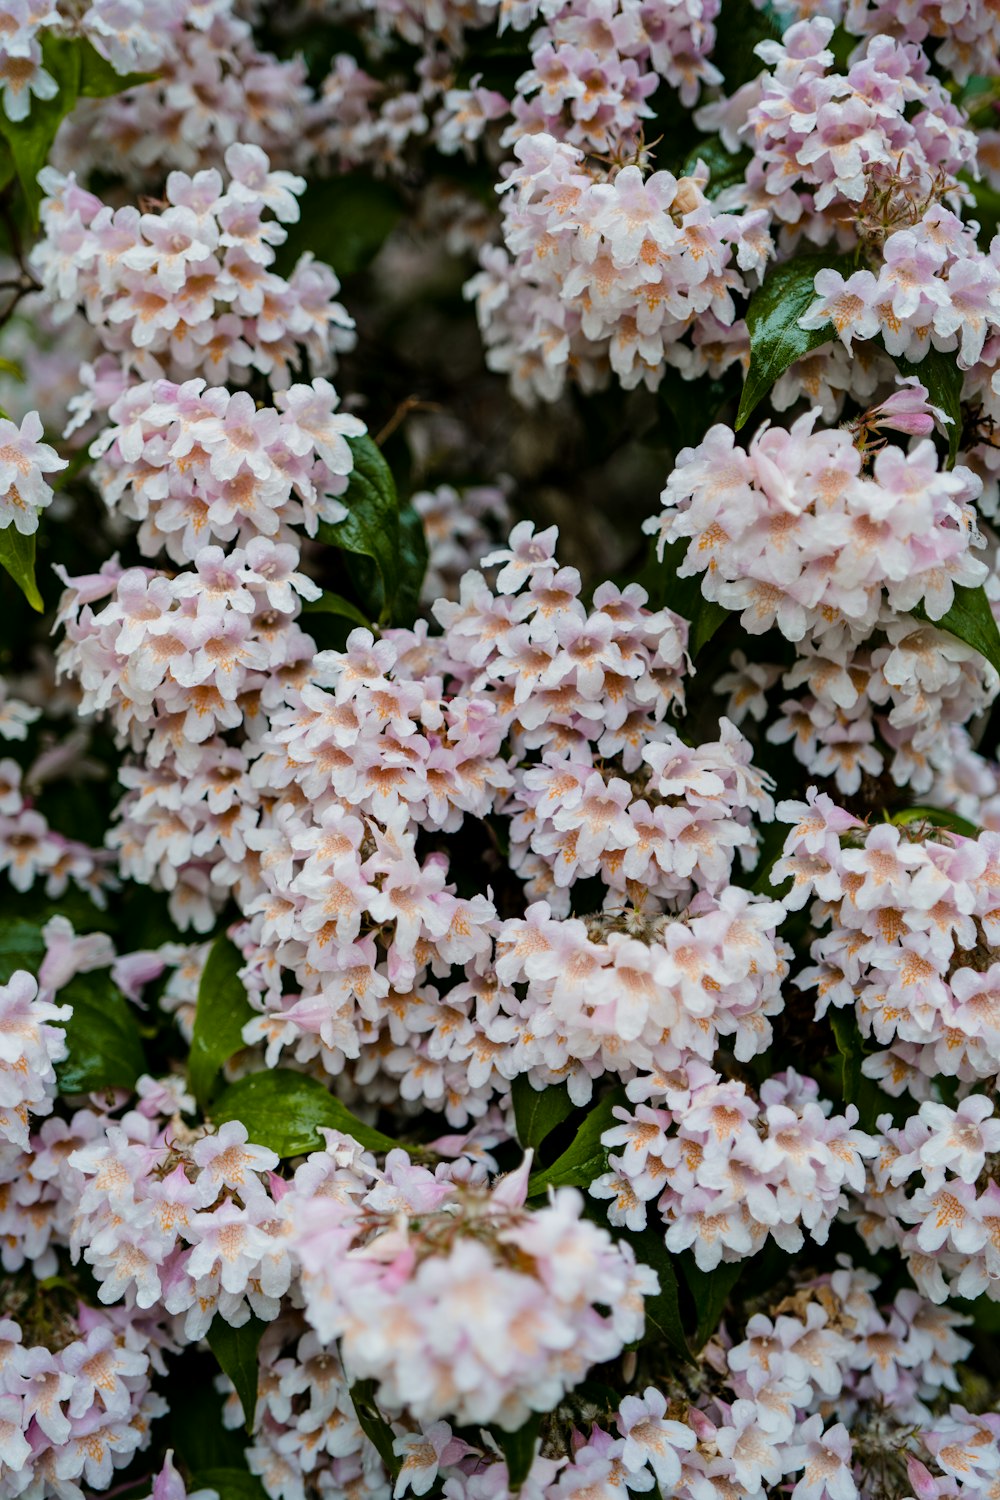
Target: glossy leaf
{"type": "Point", "coordinates": [105, 1047]}
{"type": "Point", "coordinates": [21, 946]}
{"type": "Point", "coordinates": [98, 79]}
{"type": "Point", "coordinates": [371, 527]}
{"type": "Point", "coordinates": [937, 817]}
{"type": "Point", "coordinates": [683, 595]}
{"type": "Point", "coordinates": [285, 1111]}
{"type": "Point", "coordinates": [663, 1311]}
{"type": "Point", "coordinates": [776, 340]}
{"type": "Point", "coordinates": [221, 1013]}
{"type": "Point", "coordinates": [942, 379]}
{"type": "Point", "coordinates": [844, 1025]}
{"type": "Point", "coordinates": [971, 620]}
{"type": "Point", "coordinates": [17, 557]}
{"type": "Point", "coordinates": [726, 169]}
{"type": "Point", "coordinates": [585, 1158]}
{"type": "Point", "coordinates": [374, 1425]}
{"type": "Point", "coordinates": [412, 566]}
{"type": "Point", "coordinates": [236, 1349]}
{"type": "Point", "coordinates": [78, 70]}
{"type": "Point", "coordinates": [519, 1449]}
{"type": "Point", "coordinates": [858, 1090]}
{"type": "Point", "coordinates": [537, 1112]}
{"type": "Point", "coordinates": [335, 604]}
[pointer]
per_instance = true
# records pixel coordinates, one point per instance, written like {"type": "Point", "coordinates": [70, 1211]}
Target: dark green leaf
{"type": "Point", "coordinates": [971, 620]}
{"type": "Point", "coordinates": [220, 1016]}
{"type": "Point", "coordinates": [335, 604]}
{"type": "Point", "coordinates": [710, 1293]}
{"type": "Point", "coordinates": [940, 375]}
{"type": "Point", "coordinates": [105, 1048]}
{"type": "Point", "coordinates": [585, 1158]}
{"type": "Point", "coordinates": [98, 79]}
{"type": "Point", "coordinates": [17, 556]}
{"type": "Point", "coordinates": [663, 1312]}
{"type": "Point", "coordinates": [21, 947]}
{"type": "Point", "coordinates": [844, 1025]}
{"type": "Point", "coordinates": [229, 1484]}
{"type": "Point", "coordinates": [374, 1426]}
{"type": "Point", "coordinates": [860, 1091]}
{"type": "Point", "coordinates": [936, 817]}
{"type": "Point", "coordinates": [236, 1350]}
{"type": "Point", "coordinates": [519, 1449]}
{"type": "Point", "coordinates": [537, 1112]}
{"type": "Point", "coordinates": [30, 140]}
{"type": "Point", "coordinates": [412, 566]}
{"type": "Point", "coordinates": [776, 340]}
{"type": "Point", "coordinates": [285, 1111]}
{"type": "Point", "coordinates": [725, 168]}
{"type": "Point", "coordinates": [371, 527]}
{"type": "Point", "coordinates": [684, 596]}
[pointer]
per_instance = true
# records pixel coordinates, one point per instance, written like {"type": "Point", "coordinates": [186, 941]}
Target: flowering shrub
{"type": "Point", "coordinates": [499, 793]}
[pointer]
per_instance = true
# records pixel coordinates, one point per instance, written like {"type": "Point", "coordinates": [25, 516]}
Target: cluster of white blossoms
{"type": "Point", "coordinates": [486, 1012]}
{"type": "Point", "coordinates": [189, 286]}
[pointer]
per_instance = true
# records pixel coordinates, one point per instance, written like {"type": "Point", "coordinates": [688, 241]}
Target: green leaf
{"type": "Point", "coordinates": [335, 604]}
{"type": "Point", "coordinates": [519, 1449]}
{"type": "Point", "coordinates": [844, 1025]}
{"type": "Point", "coordinates": [371, 527]}
{"type": "Point", "coordinates": [725, 168]}
{"type": "Point", "coordinates": [374, 1425]}
{"type": "Point", "coordinates": [236, 1349]}
{"type": "Point", "coordinates": [710, 1293]}
{"type": "Point", "coordinates": [585, 1158]}
{"type": "Point", "coordinates": [663, 1312]}
{"type": "Point", "coordinates": [105, 1048]}
{"type": "Point", "coordinates": [971, 620]}
{"type": "Point", "coordinates": [937, 817]}
{"type": "Point", "coordinates": [412, 566]}
{"type": "Point", "coordinates": [776, 340]}
{"type": "Point", "coordinates": [17, 556]}
{"type": "Point", "coordinates": [683, 595]}
{"type": "Point", "coordinates": [860, 1091]}
{"type": "Point", "coordinates": [229, 1484]}
{"type": "Point", "coordinates": [30, 140]}
{"type": "Point", "coordinates": [940, 375]}
{"type": "Point", "coordinates": [98, 79]}
{"type": "Point", "coordinates": [21, 947]}
{"type": "Point", "coordinates": [285, 1111]}
{"type": "Point", "coordinates": [220, 1016]}
{"type": "Point", "coordinates": [537, 1112]}
{"type": "Point", "coordinates": [77, 69]}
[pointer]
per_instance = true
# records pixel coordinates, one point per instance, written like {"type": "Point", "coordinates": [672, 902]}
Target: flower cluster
{"type": "Point", "coordinates": [211, 85]}
{"type": "Point", "coordinates": [912, 914]}
{"type": "Point", "coordinates": [189, 286]}
{"type": "Point", "coordinates": [457, 1292]}
{"type": "Point", "coordinates": [795, 531]}
{"type": "Point", "coordinates": [728, 1170]}
{"type": "Point", "coordinates": [879, 141]}
{"type": "Point", "coordinates": [934, 1196]}
{"type": "Point", "coordinates": [197, 465]}
{"type": "Point", "coordinates": [611, 271]}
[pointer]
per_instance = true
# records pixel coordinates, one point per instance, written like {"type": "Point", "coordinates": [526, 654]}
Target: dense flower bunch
{"type": "Point", "coordinates": [188, 287]}
{"type": "Point", "coordinates": [911, 914]}
{"type": "Point", "coordinates": [496, 1305]}
{"type": "Point", "coordinates": [734, 1169]}
{"type": "Point", "coordinates": [605, 274]}
{"type": "Point", "coordinates": [499, 973]}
